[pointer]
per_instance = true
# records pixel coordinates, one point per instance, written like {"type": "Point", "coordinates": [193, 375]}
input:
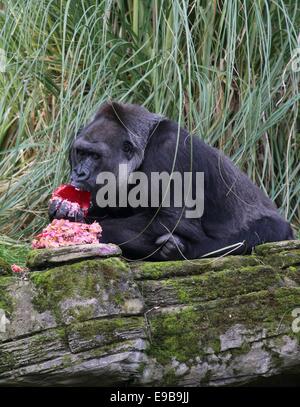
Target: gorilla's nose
{"type": "Point", "coordinates": [82, 173]}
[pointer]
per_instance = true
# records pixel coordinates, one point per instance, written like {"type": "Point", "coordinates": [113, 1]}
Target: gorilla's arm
{"type": "Point", "coordinates": [140, 237]}
{"type": "Point", "coordinates": [144, 236]}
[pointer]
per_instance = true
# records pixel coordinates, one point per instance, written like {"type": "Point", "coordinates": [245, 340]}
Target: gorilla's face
{"type": "Point", "coordinates": [117, 135]}
{"type": "Point", "coordinates": [101, 146]}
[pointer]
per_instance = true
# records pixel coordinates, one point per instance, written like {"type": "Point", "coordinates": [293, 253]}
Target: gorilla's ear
{"type": "Point", "coordinates": [138, 121]}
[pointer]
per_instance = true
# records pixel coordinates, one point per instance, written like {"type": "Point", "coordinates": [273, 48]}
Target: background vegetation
{"type": "Point", "coordinates": [221, 68]}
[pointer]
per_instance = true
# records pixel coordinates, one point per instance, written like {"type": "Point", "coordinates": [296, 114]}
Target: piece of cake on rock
{"type": "Point", "coordinates": [63, 240]}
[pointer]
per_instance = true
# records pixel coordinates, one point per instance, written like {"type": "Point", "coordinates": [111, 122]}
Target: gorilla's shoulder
{"type": "Point", "coordinates": [168, 132]}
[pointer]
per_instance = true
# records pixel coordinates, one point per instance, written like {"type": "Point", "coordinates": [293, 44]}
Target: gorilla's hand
{"type": "Point", "coordinates": [172, 245]}
{"type": "Point", "coordinates": [63, 209]}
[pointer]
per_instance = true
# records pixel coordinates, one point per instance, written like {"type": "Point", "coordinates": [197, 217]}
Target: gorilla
{"type": "Point", "coordinates": [237, 215]}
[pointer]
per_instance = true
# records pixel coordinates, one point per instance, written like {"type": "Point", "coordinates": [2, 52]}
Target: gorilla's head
{"type": "Point", "coordinates": [117, 134]}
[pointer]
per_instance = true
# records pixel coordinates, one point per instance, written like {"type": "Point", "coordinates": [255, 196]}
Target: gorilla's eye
{"type": "Point", "coordinates": [96, 156]}
{"type": "Point", "coordinates": [80, 153]}
{"type": "Point", "coordinates": [127, 147]}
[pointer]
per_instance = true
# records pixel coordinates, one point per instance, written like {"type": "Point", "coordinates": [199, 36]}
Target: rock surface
{"type": "Point", "coordinates": [206, 322]}
{"type": "Point", "coordinates": [46, 257]}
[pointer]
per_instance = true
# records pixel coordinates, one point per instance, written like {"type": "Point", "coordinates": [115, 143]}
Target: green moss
{"type": "Point", "coordinates": [31, 257]}
{"type": "Point", "coordinates": [183, 296]}
{"type": "Point", "coordinates": [4, 267]}
{"type": "Point", "coordinates": [7, 361]}
{"type": "Point", "coordinates": [159, 270]}
{"type": "Point", "coordinates": [67, 361]}
{"type": "Point", "coordinates": [192, 330]}
{"type": "Point", "coordinates": [106, 331]}
{"type": "Point", "coordinates": [242, 350]}
{"type": "Point", "coordinates": [272, 248]}
{"type": "Point", "coordinates": [215, 344]}
{"type": "Point", "coordinates": [207, 377]}
{"type": "Point", "coordinates": [170, 378]}
{"type": "Point", "coordinates": [293, 274]}
{"type": "Point", "coordinates": [181, 335]}
{"type": "Point", "coordinates": [14, 253]}
{"type": "Point", "coordinates": [41, 341]}
{"type": "Point", "coordinates": [6, 298]}
{"type": "Point", "coordinates": [82, 280]}
{"type": "Point", "coordinates": [173, 336]}
{"type": "Point", "coordinates": [141, 368]}
{"type": "Point", "coordinates": [283, 259]}
{"type": "Point", "coordinates": [63, 335]}
{"type": "Point", "coordinates": [82, 313]}
{"type": "Point", "coordinates": [225, 283]}
{"type": "Point", "coordinates": [4, 304]}
{"type": "Point", "coordinates": [156, 270]}
{"type": "Point", "coordinates": [119, 298]}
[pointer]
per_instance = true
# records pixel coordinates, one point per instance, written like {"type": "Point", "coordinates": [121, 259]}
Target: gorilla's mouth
{"type": "Point", "coordinates": [80, 186]}
{"type": "Point", "coordinates": [72, 193]}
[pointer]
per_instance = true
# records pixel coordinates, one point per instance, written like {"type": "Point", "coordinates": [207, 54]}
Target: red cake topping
{"type": "Point", "coordinates": [72, 194]}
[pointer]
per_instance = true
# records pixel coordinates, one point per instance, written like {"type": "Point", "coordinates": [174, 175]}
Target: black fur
{"type": "Point", "coordinates": [235, 210]}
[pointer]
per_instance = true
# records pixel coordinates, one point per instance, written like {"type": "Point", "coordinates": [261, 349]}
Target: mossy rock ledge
{"type": "Point", "coordinates": [105, 321]}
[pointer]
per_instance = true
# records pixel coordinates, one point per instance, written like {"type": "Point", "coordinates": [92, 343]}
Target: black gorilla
{"type": "Point", "coordinates": [237, 215]}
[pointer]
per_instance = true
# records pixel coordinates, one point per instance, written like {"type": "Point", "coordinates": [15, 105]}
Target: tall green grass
{"type": "Point", "coordinates": [220, 68]}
